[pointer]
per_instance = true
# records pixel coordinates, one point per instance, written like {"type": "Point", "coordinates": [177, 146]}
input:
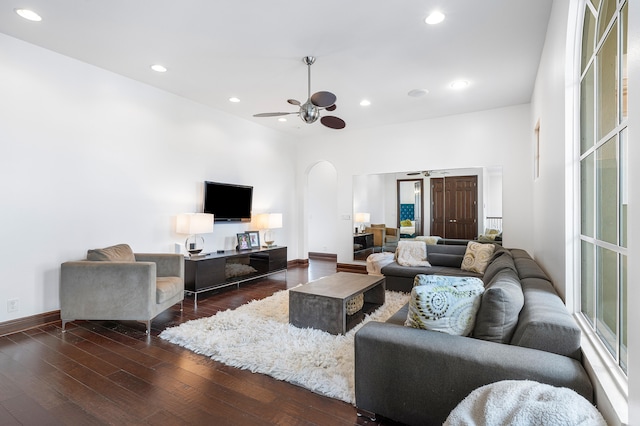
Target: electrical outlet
{"type": "Point", "coordinates": [13, 305]}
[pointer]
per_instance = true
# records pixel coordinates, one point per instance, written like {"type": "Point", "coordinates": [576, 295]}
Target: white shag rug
{"type": "Point", "coordinates": [257, 336]}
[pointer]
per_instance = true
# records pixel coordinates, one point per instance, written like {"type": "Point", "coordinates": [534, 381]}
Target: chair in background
{"type": "Point", "coordinates": [116, 284]}
{"type": "Point", "coordinates": [384, 237]}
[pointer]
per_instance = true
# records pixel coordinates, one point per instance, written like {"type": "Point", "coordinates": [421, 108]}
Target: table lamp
{"type": "Point", "coordinates": [269, 222]}
{"type": "Point", "coordinates": [194, 224]}
{"type": "Point", "coordinates": [361, 219]}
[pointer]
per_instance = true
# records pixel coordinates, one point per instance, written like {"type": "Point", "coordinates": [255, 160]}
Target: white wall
{"type": "Point", "coordinates": [89, 158]}
{"type": "Point", "coordinates": [550, 195]}
{"type": "Point", "coordinates": [499, 137]}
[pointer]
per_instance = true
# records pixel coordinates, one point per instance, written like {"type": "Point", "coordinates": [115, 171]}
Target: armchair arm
{"type": "Point", "coordinates": [107, 290]}
{"type": "Point", "coordinates": [419, 376]}
{"type": "Point", "coordinates": [167, 264]}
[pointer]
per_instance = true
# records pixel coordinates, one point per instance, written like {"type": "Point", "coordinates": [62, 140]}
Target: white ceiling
{"type": "Point", "coordinates": [252, 49]}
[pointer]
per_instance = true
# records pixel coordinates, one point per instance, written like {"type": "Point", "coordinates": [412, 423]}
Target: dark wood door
{"type": "Point", "coordinates": [454, 207]}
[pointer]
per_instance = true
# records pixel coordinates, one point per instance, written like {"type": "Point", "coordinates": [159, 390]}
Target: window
{"type": "Point", "coordinates": [603, 174]}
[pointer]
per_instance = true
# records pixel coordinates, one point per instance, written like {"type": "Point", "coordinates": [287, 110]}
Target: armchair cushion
{"type": "Point", "coordinates": [117, 253]}
{"type": "Point", "coordinates": [168, 287]}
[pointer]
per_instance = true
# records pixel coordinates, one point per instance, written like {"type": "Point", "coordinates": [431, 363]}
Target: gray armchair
{"type": "Point", "coordinates": [115, 284]}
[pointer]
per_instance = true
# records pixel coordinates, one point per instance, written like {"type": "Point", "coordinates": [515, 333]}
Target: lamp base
{"type": "Point", "coordinates": [194, 244]}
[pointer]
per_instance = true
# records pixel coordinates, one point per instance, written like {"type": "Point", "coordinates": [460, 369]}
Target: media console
{"type": "Point", "coordinates": [216, 270]}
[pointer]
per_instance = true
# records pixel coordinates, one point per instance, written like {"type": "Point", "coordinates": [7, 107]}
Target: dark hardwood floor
{"type": "Point", "coordinates": [107, 372]}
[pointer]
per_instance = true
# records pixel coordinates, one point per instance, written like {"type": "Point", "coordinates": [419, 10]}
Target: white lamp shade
{"type": "Point", "coordinates": [363, 217]}
{"type": "Point", "coordinates": [269, 221]}
{"type": "Point", "coordinates": [194, 223]}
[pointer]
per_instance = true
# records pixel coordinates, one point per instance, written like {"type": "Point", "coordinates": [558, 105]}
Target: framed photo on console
{"type": "Point", "coordinates": [254, 239]}
{"type": "Point", "coordinates": [244, 242]}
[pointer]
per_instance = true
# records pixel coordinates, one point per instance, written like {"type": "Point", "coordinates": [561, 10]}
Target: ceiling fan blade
{"type": "Point", "coordinates": [331, 107]}
{"type": "Point", "coordinates": [293, 102]}
{"type": "Point", "coordinates": [323, 99]}
{"type": "Point", "coordinates": [273, 114]}
{"type": "Point", "coordinates": [333, 122]}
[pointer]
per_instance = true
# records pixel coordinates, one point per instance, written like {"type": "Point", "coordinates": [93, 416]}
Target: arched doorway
{"type": "Point", "coordinates": [322, 208]}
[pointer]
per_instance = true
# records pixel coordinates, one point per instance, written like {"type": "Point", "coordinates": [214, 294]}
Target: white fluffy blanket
{"type": "Point", "coordinates": [412, 253]}
{"type": "Point", "coordinates": [377, 261]}
{"type": "Point", "coordinates": [430, 240]}
{"type": "Point", "coordinates": [257, 336]}
{"type": "Point", "coordinates": [524, 402]}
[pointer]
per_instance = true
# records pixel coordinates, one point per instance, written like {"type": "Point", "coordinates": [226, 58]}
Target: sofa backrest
{"type": "Point", "coordinates": [443, 255]}
{"type": "Point", "coordinates": [544, 322]}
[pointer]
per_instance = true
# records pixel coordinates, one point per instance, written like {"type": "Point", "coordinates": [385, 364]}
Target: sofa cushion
{"type": "Point", "coordinates": [500, 260]}
{"type": "Point", "coordinates": [528, 268]}
{"type": "Point", "coordinates": [443, 303]}
{"type": "Point", "coordinates": [477, 257]}
{"type": "Point", "coordinates": [544, 322]}
{"type": "Point", "coordinates": [500, 306]}
{"type": "Point", "coordinates": [445, 259]}
{"type": "Point", "coordinates": [442, 255]}
{"type": "Point", "coordinates": [117, 253]}
{"type": "Point", "coordinates": [167, 287]}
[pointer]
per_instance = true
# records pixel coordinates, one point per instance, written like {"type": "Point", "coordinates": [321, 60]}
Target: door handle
{"type": "Point", "coordinates": [452, 221]}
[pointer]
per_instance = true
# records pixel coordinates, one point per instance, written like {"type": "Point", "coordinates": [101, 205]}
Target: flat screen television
{"type": "Point", "coordinates": [228, 202]}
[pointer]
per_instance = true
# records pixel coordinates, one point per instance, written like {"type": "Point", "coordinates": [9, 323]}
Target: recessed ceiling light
{"type": "Point", "coordinates": [365, 102]}
{"type": "Point", "coordinates": [29, 14]}
{"type": "Point", "coordinates": [459, 84]}
{"type": "Point", "coordinates": [417, 93]}
{"type": "Point", "coordinates": [282, 119]}
{"type": "Point", "coordinates": [158, 68]}
{"type": "Point", "coordinates": [234, 99]}
{"type": "Point", "coordinates": [434, 18]}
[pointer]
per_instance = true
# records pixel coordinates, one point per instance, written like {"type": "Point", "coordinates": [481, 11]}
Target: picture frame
{"type": "Point", "coordinates": [244, 241]}
{"type": "Point", "coordinates": [254, 239]}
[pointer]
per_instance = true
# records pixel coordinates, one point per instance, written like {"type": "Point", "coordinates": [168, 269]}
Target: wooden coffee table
{"type": "Point", "coordinates": [322, 304]}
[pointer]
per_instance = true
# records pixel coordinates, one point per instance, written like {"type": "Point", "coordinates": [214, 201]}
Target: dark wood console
{"type": "Point", "coordinates": [216, 270]}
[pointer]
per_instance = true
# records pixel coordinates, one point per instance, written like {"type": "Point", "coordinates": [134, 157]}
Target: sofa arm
{"type": "Point", "coordinates": [419, 376]}
{"type": "Point", "coordinates": [167, 264]}
{"type": "Point", "coordinates": [107, 290]}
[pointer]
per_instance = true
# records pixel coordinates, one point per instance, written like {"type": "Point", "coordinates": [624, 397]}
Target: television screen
{"type": "Point", "coordinates": [227, 202]}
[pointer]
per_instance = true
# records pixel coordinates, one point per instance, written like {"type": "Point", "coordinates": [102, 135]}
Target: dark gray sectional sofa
{"type": "Point", "coordinates": [522, 331]}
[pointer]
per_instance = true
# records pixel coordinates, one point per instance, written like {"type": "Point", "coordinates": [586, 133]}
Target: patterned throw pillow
{"type": "Point", "coordinates": [445, 304]}
{"type": "Point", "coordinates": [477, 257]}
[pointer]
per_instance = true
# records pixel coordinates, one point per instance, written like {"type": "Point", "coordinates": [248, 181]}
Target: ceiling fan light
{"type": "Point", "coordinates": [365, 102]}
{"type": "Point", "coordinates": [234, 99]}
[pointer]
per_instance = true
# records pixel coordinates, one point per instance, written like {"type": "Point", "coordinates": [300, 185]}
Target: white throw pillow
{"type": "Point", "coordinates": [445, 304]}
{"type": "Point", "coordinates": [477, 257]}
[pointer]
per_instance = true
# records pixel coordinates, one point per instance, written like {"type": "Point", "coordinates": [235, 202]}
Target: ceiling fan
{"type": "Point", "coordinates": [425, 173]}
{"type": "Point", "coordinates": [309, 111]}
